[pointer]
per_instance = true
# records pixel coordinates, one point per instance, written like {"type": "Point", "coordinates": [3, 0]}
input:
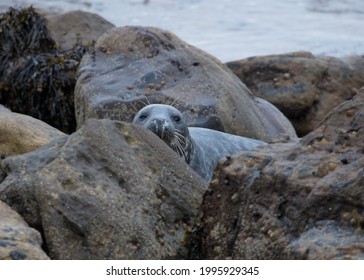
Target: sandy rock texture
{"type": "Point", "coordinates": [20, 133]}
{"type": "Point", "coordinates": [17, 240]}
{"type": "Point", "coordinates": [76, 27]}
{"type": "Point", "coordinates": [291, 201]}
{"type": "Point", "coordinates": [109, 191]}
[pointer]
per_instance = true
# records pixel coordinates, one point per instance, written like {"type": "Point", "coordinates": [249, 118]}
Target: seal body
{"type": "Point", "coordinates": [201, 148]}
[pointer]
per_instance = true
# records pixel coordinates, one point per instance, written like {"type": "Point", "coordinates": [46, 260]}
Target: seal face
{"type": "Point", "coordinates": [168, 124]}
{"type": "Point", "coordinates": [201, 148]}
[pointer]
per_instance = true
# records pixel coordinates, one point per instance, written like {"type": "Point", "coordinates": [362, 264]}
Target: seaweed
{"type": "Point", "coordinates": [37, 78]}
{"type": "Point", "coordinates": [24, 30]}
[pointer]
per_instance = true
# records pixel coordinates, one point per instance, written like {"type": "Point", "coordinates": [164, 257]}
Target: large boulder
{"type": "Point", "coordinates": [290, 201]}
{"type": "Point", "coordinates": [21, 134]}
{"type": "Point", "coordinates": [132, 66]}
{"type": "Point", "coordinates": [17, 240]}
{"type": "Point", "coordinates": [76, 27]}
{"type": "Point", "coordinates": [303, 86]}
{"type": "Point", "coordinates": [111, 190]}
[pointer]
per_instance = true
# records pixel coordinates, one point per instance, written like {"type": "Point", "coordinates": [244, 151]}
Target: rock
{"type": "Point", "coordinates": [17, 240]}
{"type": "Point", "coordinates": [21, 134]}
{"type": "Point", "coordinates": [290, 201]}
{"type": "Point", "coordinates": [4, 109]}
{"type": "Point", "coordinates": [304, 87]}
{"type": "Point", "coordinates": [111, 190]}
{"type": "Point", "coordinates": [133, 66]}
{"type": "Point", "coordinates": [76, 27]}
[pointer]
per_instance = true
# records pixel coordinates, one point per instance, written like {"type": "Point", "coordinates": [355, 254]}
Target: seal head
{"type": "Point", "coordinates": [201, 148]}
{"type": "Point", "coordinates": [168, 124]}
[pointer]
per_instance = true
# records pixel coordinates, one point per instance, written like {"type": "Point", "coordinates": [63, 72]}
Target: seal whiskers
{"type": "Point", "coordinates": [180, 142]}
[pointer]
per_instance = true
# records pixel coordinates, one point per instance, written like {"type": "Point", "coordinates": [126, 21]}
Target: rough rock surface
{"type": "Point", "coordinates": [304, 87]}
{"type": "Point", "coordinates": [76, 27]}
{"type": "Point", "coordinates": [291, 201]}
{"type": "Point", "coordinates": [17, 240]}
{"type": "Point", "coordinates": [111, 190]}
{"type": "Point", "coordinates": [21, 133]}
{"type": "Point", "coordinates": [132, 66]}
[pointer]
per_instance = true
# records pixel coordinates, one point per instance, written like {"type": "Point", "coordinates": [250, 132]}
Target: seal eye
{"type": "Point", "coordinates": [143, 117]}
{"type": "Point", "coordinates": [176, 118]}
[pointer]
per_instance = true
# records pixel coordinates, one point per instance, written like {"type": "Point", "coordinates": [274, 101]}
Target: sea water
{"type": "Point", "coordinates": [236, 29]}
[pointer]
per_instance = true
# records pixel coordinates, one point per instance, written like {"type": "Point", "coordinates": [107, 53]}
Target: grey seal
{"type": "Point", "coordinates": [201, 148]}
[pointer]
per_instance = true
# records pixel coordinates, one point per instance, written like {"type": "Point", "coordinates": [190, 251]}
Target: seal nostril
{"type": "Point", "coordinates": [158, 126]}
{"type": "Point", "coordinates": [158, 122]}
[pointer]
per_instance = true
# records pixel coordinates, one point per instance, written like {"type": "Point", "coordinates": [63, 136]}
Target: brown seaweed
{"type": "Point", "coordinates": [36, 78]}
